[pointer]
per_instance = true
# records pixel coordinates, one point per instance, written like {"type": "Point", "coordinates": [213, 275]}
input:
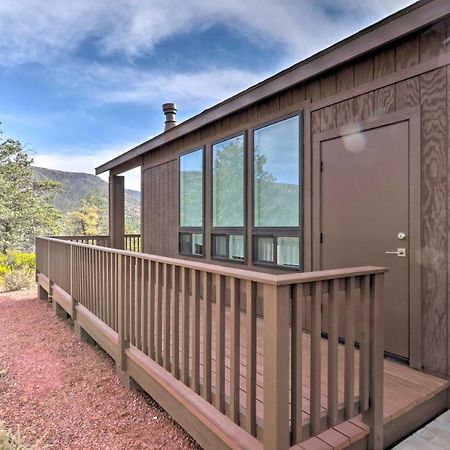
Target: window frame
{"type": "Point", "coordinates": [192, 230]}
{"type": "Point", "coordinates": [278, 231]}
{"type": "Point", "coordinates": [227, 231]}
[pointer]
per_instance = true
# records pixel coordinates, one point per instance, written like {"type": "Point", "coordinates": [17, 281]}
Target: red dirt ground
{"type": "Point", "coordinates": [59, 393]}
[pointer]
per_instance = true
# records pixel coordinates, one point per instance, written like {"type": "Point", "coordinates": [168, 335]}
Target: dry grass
{"type": "Point", "coordinates": [10, 442]}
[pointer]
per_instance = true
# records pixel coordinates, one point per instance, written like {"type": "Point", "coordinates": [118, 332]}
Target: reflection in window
{"type": "Point", "coordinates": [191, 189]}
{"type": "Point", "coordinates": [279, 250]}
{"type": "Point", "coordinates": [288, 251]}
{"type": "Point", "coordinates": [197, 244]}
{"type": "Point", "coordinates": [191, 243]}
{"type": "Point", "coordinates": [277, 174]}
{"type": "Point", "coordinates": [229, 246]}
{"type": "Point", "coordinates": [236, 247]}
{"type": "Point", "coordinates": [228, 183]}
{"type": "Point", "coordinates": [265, 249]}
{"type": "Point", "coordinates": [220, 246]}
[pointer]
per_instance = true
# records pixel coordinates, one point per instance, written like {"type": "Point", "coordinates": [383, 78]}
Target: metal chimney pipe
{"type": "Point", "coordinates": [170, 110]}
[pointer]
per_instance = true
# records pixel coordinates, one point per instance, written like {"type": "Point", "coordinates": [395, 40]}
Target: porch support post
{"type": "Point", "coordinates": [116, 211]}
{"type": "Point", "coordinates": [276, 367]}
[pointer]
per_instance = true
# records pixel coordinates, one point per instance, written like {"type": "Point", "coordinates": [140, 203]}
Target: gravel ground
{"type": "Point", "coordinates": [59, 393]}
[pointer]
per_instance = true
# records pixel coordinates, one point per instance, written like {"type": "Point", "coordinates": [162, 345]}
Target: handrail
{"type": "Point", "coordinates": [80, 236]}
{"type": "Point", "coordinates": [248, 275]}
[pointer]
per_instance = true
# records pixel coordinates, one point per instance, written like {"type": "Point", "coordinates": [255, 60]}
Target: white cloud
{"type": "Point", "coordinates": [41, 31]}
{"type": "Point", "coordinates": [74, 160]}
{"type": "Point", "coordinates": [49, 33]}
{"type": "Point", "coordinates": [110, 84]}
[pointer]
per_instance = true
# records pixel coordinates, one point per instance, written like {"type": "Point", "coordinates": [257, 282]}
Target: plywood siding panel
{"type": "Point", "coordinates": [363, 70]}
{"type": "Point", "coordinates": [286, 98]}
{"type": "Point", "coordinates": [160, 209]}
{"type": "Point", "coordinates": [345, 113]}
{"type": "Point", "coordinates": [312, 89]}
{"type": "Point", "coordinates": [434, 219]}
{"type": "Point", "coordinates": [345, 78]}
{"type": "Point", "coordinates": [298, 93]}
{"type": "Point", "coordinates": [407, 93]}
{"type": "Point", "coordinates": [328, 118]}
{"type": "Point", "coordinates": [407, 52]}
{"type": "Point", "coordinates": [433, 40]}
{"type": "Point", "coordinates": [315, 122]}
{"type": "Point", "coordinates": [363, 107]}
{"type": "Point", "coordinates": [384, 101]}
{"type": "Point", "coordinates": [384, 62]}
{"type": "Point", "coordinates": [328, 85]}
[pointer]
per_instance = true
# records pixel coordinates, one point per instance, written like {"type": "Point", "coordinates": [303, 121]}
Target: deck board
{"type": "Point", "coordinates": [404, 388]}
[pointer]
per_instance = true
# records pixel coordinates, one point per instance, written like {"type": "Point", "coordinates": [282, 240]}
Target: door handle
{"type": "Point", "coordinates": [399, 252]}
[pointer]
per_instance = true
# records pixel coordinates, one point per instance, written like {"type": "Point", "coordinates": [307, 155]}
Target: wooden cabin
{"type": "Point", "coordinates": [292, 237]}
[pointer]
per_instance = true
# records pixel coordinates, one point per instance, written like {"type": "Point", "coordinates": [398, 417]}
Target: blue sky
{"type": "Point", "coordinates": [81, 81]}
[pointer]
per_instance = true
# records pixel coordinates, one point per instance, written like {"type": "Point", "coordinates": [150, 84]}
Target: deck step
{"type": "Point", "coordinates": [339, 437]}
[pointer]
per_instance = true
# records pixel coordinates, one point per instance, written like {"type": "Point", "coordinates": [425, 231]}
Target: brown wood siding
{"type": "Point", "coordinates": [430, 91]}
{"type": "Point", "coordinates": [160, 209]}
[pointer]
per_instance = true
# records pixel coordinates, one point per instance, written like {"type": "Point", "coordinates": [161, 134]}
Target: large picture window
{"type": "Point", "coordinates": [276, 193]}
{"type": "Point", "coordinates": [191, 203]}
{"type": "Point", "coordinates": [228, 165]}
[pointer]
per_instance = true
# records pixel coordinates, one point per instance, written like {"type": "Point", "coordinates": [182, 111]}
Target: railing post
{"type": "Point", "coordinates": [374, 415]}
{"type": "Point", "coordinates": [116, 211]}
{"type": "Point", "coordinates": [276, 367]}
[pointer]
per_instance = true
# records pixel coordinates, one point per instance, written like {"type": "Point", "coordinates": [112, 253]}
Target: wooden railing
{"type": "Point", "coordinates": [101, 240]}
{"type": "Point", "coordinates": [132, 242]}
{"type": "Point", "coordinates": [236, 337]}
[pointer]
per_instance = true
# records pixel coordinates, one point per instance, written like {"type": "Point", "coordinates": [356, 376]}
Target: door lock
{"type": "Point", "coordinates": [399, 252]}
{"type": "Point", "coordinates": [401, 235]}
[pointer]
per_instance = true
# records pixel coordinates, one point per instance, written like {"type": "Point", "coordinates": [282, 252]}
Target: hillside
{"type": "Point", "coordinates": [76, 185]}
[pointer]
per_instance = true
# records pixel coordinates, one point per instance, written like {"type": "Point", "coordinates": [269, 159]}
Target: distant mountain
{"type": "Point", "coordinates": [76, 185]}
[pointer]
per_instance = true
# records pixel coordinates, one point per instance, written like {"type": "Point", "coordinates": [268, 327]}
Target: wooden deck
{"type": "Point", "coordinates": [178, 329]}
{"type": "Point", "coordinates": [405, 389]}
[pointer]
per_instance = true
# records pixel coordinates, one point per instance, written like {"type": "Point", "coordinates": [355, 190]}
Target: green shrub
{"type": "Point", "coordinates": [17, 271]}
{"type": "Point", "coordinates": [10, 442]}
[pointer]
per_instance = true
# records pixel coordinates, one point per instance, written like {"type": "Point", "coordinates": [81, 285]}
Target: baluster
{"type": "Point", "coordinates": [151, 308]}
{"type": "Point", "coordinates": [176, 321]}
{"type": "Point", "coordinates": [220, 343]}
{"type": "Point", "coordinates": [132, 322]}
{"type": "Point", "coordinates": [185, 325]}
{"type": "Point", "coordinates": [207, 326]}
{"type": "Point", "coordinates": [349, 369]}
{"type": "Point", "coordinates": [235, 350]}
{"type": "Point", "coordinates": [364, 349]}
{"type": "Point", "coordinates": [159, 269]}
{"type": "Point", "coordinates": [251, 358]}
{"type": "Point", "coordinates": [167, 270]}
{"type": "Point", "coordinates": [145, 303]}
{"type": "Point", "coordinates": [333, 341]}
{"type": "Point", "coordinates": [195, 381]}
{"type": "Point", "coordinates": [316, 329]}
{"type": "Point", "coordinates": [138, 317]}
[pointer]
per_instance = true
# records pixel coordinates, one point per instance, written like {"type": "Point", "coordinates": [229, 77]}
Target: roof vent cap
{"type": "Point", "coordinates": [170, 110]}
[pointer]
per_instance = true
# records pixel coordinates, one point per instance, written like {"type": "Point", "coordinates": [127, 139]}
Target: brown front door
{"type": "Point", "coordinates": [364, 215]}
